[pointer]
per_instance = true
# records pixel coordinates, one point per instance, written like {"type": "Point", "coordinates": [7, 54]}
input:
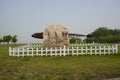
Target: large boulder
{"type": "Point", "coordinates": [55, 36]}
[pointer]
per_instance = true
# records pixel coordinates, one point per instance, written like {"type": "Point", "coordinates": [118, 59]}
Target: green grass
{"type": "Point", "coordinates": [86, 67]}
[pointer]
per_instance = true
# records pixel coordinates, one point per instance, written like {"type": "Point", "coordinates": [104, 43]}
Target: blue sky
{"type": "Point", "coordinates": [25, 17]}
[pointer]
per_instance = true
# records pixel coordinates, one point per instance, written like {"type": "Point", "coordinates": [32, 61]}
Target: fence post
{"type": "Point", "coordinates": [32, 52]}
{"type": "Point", "coordinates": [95, 50]}
{"type": "Point", "coordinates": [10, 51]}
{"type": "Point", "coordinates": [104, 50]}
{"type": "Point", "coordinates": [22, 52]}
{"type": "Point", "coordinates": [55, 51]}
{"type": "Point", "coordinates": [90, 50]}
{"type": "Point", "coordinates": [77, 50]}
{"type": "Point", "coordinates": [13, 51]}
{"type": "Point", "coordinates": [113, 49]}
{"type": "Point", "coordinates": [116, 48]}
{"type": "Point", "coordinates": [109, 49]}
{"type": "Point", "coordinates": [37, 51]}
{"type": "Point", "coordinates": [86, 50]}
{"type": "Point", "coordinates": [46, 51]}
{"type": "Point", "coordinates": [100, 50]}
{"type": "Point", "coordinates": [67, 50]}
{"type": "Point", "coordinates": [60, 51]}
{"type": "Point", "coordinates": [72, 51]}
{"type": "Point", "coordinates": [41, 51]}
{"type": "Point", "coordinates": [51, 51]}
{"type": "Point", "coordinates": [27, 51]}
{"type": "Point", "coordinates": [64, 50]}
{"type": "Point", "coordinates": [17, 50]}
{"type": "Point", "coordinates": [81, 50]}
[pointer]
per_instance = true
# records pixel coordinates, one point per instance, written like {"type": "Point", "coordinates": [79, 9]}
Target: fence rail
{"type": "Point", "coordinates": [37, 50]}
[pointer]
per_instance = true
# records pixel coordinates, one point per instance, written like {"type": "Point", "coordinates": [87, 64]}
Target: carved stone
{"type": "Point", "coordinates": [55, 36]}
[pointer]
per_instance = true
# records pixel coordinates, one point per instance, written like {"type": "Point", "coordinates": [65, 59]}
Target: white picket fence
{"type": "Point", "coordinates": [37, 50]}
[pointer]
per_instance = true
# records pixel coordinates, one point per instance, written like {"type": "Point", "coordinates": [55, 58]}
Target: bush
{"type": "Point", "coordinates": [104, 35]}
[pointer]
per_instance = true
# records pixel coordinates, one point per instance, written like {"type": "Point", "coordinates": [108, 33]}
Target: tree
{"type": "Point", "coordinates": [90, 40]}
{"type": "Point", "coordinates": [78, 40]}
{"type": "Point", "coordinates": [7, 38]}
{"type": "Point", "coordinates": [1, 40]}
{"type": "Point", "coordinates": [72, 40]}
{"type": "Point", "coordinates": [104, 35]}
{"type": "Point", "coordinates": [14, 39]}
{"type": "Point", "coordinates": [75, 40]}
{"type": "Point", "coordinates": [102, 31]}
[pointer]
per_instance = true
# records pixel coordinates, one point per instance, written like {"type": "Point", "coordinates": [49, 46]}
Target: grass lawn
{"type": "Point", "coordinates": [86, 67]}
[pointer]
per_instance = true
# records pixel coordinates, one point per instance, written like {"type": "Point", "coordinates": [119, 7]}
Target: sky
{"type": "Point", "coordinates": [25, 17]}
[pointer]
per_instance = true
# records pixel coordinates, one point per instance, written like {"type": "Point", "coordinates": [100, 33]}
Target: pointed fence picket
{"type": "Point", "coordinates": [32, 50]}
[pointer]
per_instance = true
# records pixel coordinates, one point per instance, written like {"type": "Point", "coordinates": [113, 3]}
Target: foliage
{"type": "Point", "coordinates": [7, 38]}
{"type": "Point", "coordinates": [72, 40]}
{"type": "Point", "coordinates": [1, 40]}
{"type": "Point", "coordinates": [78, 40]}
{"type": "Point", "coordinates": [75, 40]}
{"type": "Point", "coordinates": [104, 35]}
{"type": "Point", "coordinates": [14, 39]}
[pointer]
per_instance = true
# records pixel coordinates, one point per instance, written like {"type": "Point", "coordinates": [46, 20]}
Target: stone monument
{"type": "Point", "coordinates": [55, 36]}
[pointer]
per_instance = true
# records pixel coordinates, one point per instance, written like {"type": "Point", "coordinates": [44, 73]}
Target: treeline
{"type": "Point", "coordinates": [104, 35]}
{"type": "Point", "coordinates": [8, 38]}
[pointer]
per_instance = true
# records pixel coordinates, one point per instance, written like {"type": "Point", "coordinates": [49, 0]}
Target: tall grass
{"type": "Point", "coordinates": [87, 67]}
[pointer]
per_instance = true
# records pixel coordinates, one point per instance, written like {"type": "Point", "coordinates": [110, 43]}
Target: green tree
{"type": "Point", "coordinates": [1, 40]}
{"type": "Point", "coordinates": [14, 39]}
{"type": "Point", "coordinates": [72, 40]}
{"type": "Point", "coordinates": [102, 31]}
{"type": "Point", "coordinates": [78, 40]}
{"type": "Point", "coordinates": [7, 38]}
{"type": "Point", "coordinates": [75, 40]}
{"type": "Point", "coordinates": [90, 40]}
{"type": "Point", "coordinates": [104, 35]}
